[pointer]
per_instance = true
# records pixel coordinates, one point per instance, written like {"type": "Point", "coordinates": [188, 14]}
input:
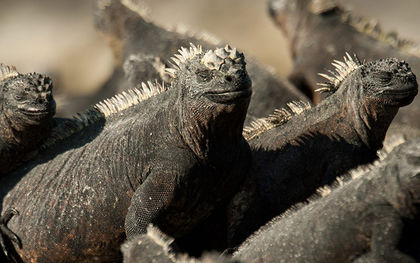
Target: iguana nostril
{"type": "Point", "coordinates": [228, 78]}
{"type": "Point", "coordinates": [40, 101]}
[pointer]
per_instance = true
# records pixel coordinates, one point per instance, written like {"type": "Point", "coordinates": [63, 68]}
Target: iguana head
{"type": "Point", "coordinates": [388, 82]}
{"type": "Point", "coordinates": [219, 76]}
{"type": "Point", "coordinates": [372, 92]}
{"type": "Point", "coordinates": [213, 89]}
{"type": "Point", "coordinates": [27, 98]}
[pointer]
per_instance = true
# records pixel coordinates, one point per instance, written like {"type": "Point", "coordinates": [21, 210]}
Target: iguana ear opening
{"type": "Point", "coordinates": [320, 7]}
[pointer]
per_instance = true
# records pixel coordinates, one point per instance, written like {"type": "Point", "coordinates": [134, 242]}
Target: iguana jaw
{"type": "Point", "coordinates": [228, 97]}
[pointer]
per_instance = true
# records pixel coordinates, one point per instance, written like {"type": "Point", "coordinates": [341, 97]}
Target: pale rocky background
{"type": "Point", "coordinates": [57, 37]}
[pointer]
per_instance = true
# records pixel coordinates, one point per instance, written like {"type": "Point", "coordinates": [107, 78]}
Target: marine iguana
{"type": "Point", "coordinates": [359, 221]}
{"type": "Point", "coordinates": [161, 155]}
{"type": "Point", "coordinates": [312, 28]}
{"type": "Point", "coordinates": [297, 150]}
{"type": "Point", "coordinates": [145, 47]}
{"type": "Point", "coordinates": [27, 107]}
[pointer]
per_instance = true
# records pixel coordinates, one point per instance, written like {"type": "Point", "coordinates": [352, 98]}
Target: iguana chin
{"type": "Point", "coordinates": [159, 155]}
{"type": "Point", "coordinates": [358, 220]}
{"type": "Point", "coordinates": [27, 107]}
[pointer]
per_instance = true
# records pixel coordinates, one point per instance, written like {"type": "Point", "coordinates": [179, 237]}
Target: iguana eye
{"type": "Point", "coordinates": [204, 75]}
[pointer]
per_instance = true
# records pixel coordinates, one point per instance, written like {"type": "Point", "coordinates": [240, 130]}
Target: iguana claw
{"type": "Point", "coordinates": [5, 232]}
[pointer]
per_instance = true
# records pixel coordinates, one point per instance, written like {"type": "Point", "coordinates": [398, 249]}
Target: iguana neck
{"type": "Point", "coordinates": [209, 136]}
{"type": "Point", "coordinates": [354, 120]}
{"type": "Point", "coordinates": [361, 120]}
{"type": "Point", "coordinates": [22, 134]}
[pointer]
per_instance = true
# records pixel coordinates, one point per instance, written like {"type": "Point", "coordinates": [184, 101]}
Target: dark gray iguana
{"type": "Point", "coordinates": [320, 31]}
{"type": "Point", "coordinates": [294, 154]}
{"type": "Point", "coordinates": [343, 131]}
{"type": "Point", "coordinates": [161, 155]}
{"type": "Point", "coordinates": [143, 49]}
{"type": "Point", "coordinates": [359, 221]}
{"type": "Point", "coordinates": [27, 108]}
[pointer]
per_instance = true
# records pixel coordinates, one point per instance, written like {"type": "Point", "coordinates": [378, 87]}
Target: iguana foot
{"type": "Point", "coordinates": [6, 233]}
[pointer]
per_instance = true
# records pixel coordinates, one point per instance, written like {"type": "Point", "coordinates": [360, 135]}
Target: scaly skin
{"type": "Point", "coordinates": [320, 31]}
{"type": "Point", "coordinates": [292, 159]}
{"type": "Point", "coordinates": [27, 107]}
{"type": "Point", "coordinates": [342, 132]}
{"type": "Point", "coordinates": [142, 48]}
{"type": "Point", "coordinates": [169, 159]}
{"type": "Point", "coordinates": [360, 221]}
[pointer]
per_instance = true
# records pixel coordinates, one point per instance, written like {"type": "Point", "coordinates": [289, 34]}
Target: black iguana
{"type": "Point", "coordinates": [359, 221]}
{"type": "Point", "coordinates": [320, 31]}
{"type": "Point", "coordinates": [27, 108]}
{"type": "Point", "coordinates": [144, 49]}
{"type": "Point", "coordinates": [296, 151]}
{"type": "Point", "coordinates": [161, 155]}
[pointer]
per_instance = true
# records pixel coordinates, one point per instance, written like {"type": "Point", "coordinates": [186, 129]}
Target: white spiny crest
{"type": "Point", "coordinates": [342, 71]}
{"type": "Point", "coordinates": [129, 98]}
{"type": "Point", "coordinates": [372, 28]}
{"type": "Point", "coordinates": [105, 108]}
{"type": "Point", "coordinates": [279, 117]}
{"type": "Point", "coordinates": [7, 72]}
{"type": "Point", "coordinates": [184, 54]}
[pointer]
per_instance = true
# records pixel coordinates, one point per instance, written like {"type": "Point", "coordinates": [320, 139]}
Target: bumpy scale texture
{"type": "Point", "coordinates": [297, 150]}
{"type": "Point", "coordinates": [163, 155]}
{"type": "Point", "coordinates": [343, 131]}
{"type": "Point", "coordinates": [361, 220]}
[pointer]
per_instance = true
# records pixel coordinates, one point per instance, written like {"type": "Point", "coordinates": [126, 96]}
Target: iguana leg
{"type": "Point", "coordinates": [386, 234]}
{"type": "Point", "coordinates": [5, 232]}
{"type": "Point", "coordinates": [147, 202]}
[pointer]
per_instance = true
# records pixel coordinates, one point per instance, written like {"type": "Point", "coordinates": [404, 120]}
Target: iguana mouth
{"type": "Point", "coordinates": [403, 96]}
{"type": "Point", "coordinates": [229, 96]}
{"type": "Point", "coordinates": [34, 112]}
